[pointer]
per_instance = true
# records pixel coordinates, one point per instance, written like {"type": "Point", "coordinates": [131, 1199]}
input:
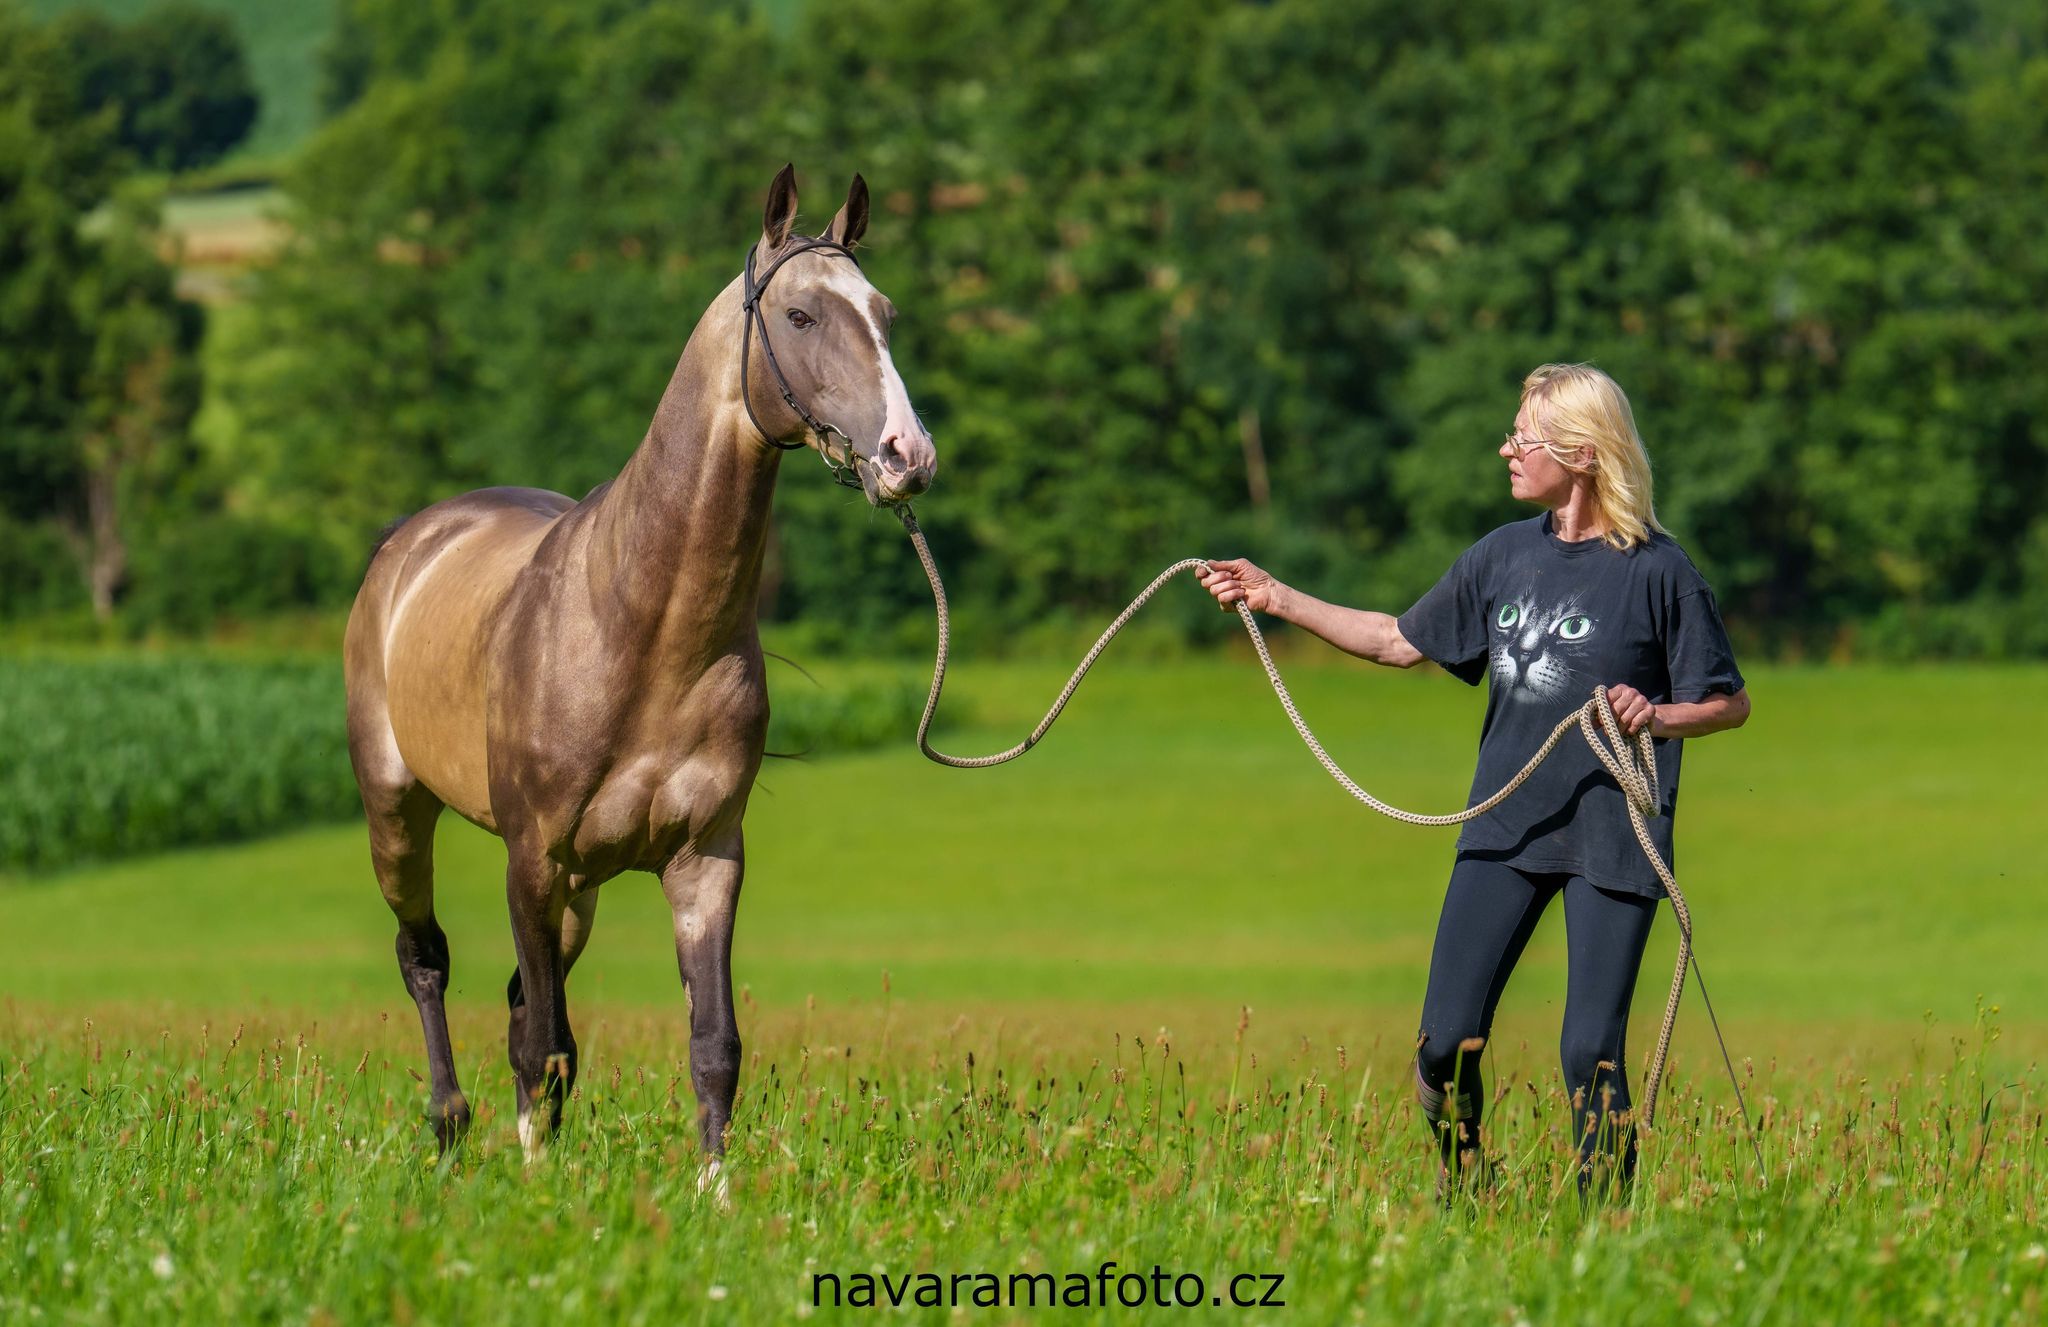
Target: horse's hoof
{"type": "Point", "coordinates": [533, 1138]}
{"type": "Point", "coordinates": [450, 1119]}
{"type": "Point", "coordinates": [712, 1183]}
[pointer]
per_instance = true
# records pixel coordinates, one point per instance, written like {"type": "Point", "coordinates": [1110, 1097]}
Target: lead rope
{"type": "Point", "coordinates": [1634, 769]}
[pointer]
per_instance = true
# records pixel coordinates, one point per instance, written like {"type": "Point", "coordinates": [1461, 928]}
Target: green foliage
{"type": "Point", "coordinates": [806, 719]}
{"type": "Point", "coordinates": [54, 163]}
{"type": "Point", "coordinates": [283, 41]}
{"type": "Point", "coordinates": [209, 569]}
{"type": "Point", "coordinates": [98, 383]}
{"type": "Point", "coordinates": [175, 81]}
{"type": "Point", "coordinates": [37, 577]}
{"type": "Point", "coordinates": [1197, 278]}
{"type": "Point", "coordinates": [1201, 277]}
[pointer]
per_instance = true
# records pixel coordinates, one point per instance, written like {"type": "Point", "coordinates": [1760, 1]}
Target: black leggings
{"type": "Point", "coordinates": [1490, 910]}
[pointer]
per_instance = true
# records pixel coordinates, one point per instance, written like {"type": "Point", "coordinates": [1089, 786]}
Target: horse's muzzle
{"type": "Point", "coordinates": [903, 468]}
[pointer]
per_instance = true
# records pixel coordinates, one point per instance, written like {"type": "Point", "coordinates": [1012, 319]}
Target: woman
{"type": "Point", "coordinates": [1592, 591]}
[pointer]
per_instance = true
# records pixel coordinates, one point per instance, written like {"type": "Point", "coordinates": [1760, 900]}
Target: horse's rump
{"type": "Point", "coordinates": [420, 633]}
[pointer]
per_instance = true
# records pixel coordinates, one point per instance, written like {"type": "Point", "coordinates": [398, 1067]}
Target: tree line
{"type": "Point", "coordinates": [98, 357]}
{"type": "Point", "coordinates": [1197, 278]}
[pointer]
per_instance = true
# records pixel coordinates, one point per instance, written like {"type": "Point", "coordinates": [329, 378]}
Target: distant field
{"type": "Point", "coordinates": [1859, 855]}
{"type": "Point", "coordinates": [229, 229]}
{"type": "Point", "coordinates": [993, 1018]}
{"type": "Point", "coordinates": [283, 39]}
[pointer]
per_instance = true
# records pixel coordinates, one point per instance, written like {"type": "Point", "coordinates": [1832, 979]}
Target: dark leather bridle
{"type": "Point", "coordinates": [752, 291]}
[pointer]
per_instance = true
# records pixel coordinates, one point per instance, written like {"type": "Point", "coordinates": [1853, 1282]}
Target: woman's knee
{"type": "Point", "coordinates": [1589, 1061]}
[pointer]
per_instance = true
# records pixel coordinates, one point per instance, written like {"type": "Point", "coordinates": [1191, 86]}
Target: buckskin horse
{"type": "Point", "coordinates": [584, 679]}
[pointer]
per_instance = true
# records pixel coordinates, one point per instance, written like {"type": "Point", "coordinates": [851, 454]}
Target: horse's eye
{"type": "Point", "coordinates": [798, 318]}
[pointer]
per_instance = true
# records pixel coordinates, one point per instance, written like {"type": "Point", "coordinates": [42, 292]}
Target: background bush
{"type": "Point", "coordinates": [1199, 277]}
{"type": "Point", "coordinates": [1216, 276]}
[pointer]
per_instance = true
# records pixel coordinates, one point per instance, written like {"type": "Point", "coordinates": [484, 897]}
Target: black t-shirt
{"type": "Point", "coordinates": [1544, 622]}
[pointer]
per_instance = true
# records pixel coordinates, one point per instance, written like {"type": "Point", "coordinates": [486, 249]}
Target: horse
{"type": "Point", "coordinates": [585, 679]}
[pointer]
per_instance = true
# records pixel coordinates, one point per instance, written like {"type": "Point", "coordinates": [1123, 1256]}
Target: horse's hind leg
{"type": "Point", "coordinates": [578, 916]}
{"type": "Point", "coordinates": [402, 851]}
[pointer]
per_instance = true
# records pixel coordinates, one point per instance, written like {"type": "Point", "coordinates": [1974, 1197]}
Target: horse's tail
{"type": "Point", "coordinates": [804, 754]}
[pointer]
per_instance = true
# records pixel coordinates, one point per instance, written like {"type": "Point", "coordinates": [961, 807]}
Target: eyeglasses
{"type": "Point", "coordinates": [1520, 446]}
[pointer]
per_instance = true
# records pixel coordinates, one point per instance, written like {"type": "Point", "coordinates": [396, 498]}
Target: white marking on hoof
{"type": "Point", "coordinates": [711, 1179]}
{"type": "Point", "coordinates": [530, 1140]}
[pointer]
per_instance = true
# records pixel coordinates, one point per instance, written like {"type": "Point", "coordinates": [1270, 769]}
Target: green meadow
{"type": "Point", "coordinates": [1144, 996]}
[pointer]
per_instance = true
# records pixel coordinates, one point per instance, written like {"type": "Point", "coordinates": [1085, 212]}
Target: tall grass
{"type": "Point", "coordinates": [277, 1171]}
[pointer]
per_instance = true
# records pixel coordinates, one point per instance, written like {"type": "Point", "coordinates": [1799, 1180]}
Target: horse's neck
{"type": "Point", "coordinates": [681, 532]}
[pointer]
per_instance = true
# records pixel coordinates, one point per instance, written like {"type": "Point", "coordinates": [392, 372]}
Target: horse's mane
{"type": "Point", "coordinates": [384, 535]}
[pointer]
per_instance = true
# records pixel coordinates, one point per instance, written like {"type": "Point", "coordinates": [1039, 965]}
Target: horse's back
{"type": "Point", "coordinates": [417, 645]}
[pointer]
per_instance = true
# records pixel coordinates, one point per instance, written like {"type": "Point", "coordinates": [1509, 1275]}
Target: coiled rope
{"type": "Point", "coordinates": [1634, 769]}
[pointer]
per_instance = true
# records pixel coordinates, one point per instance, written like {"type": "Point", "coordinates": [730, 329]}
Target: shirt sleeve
{"type": "Point", "coordinates": [1696, 649]}
{"type": "Point", "coordinates": [1448, 624]}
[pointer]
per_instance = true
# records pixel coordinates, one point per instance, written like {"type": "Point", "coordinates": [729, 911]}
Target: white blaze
{"type": "Point", "coordinates": [899, 419]}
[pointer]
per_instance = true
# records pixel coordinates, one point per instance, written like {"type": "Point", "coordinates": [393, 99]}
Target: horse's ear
{"type": "Point", "coordinates": [852, 221]}
{"type": "Point", "coordinates": [779, 217]}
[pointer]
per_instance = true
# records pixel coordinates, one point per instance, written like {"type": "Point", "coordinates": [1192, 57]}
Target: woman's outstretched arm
{"type": "Point", "coordinates": [1717, 713]}
{"type": "Point", "coordinates": [1357, 631]}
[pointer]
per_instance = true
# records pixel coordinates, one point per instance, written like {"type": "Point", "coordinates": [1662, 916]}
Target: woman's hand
{"type": "Point", "coordinates": [1232, 579]}
{"type": "Point", "coordinates": [1632, 709]}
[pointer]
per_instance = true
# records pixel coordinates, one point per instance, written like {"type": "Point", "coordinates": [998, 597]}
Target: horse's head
{"type": "Point", "coordinates": [827, 345]}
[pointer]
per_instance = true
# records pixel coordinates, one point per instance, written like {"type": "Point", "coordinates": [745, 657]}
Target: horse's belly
{"type": "Point", "coordinates": [436, 671]}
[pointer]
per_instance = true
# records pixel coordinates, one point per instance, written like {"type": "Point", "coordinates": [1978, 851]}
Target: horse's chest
{"type": "Point", "coordinates": [619, 767]}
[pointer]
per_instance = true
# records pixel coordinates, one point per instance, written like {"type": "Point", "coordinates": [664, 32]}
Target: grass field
{"type": "Point", "coordinates": [993, 1024]}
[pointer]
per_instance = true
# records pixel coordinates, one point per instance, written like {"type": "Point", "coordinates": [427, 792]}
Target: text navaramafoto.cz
{"type": "Point", "coordinates": [1108, 1286]}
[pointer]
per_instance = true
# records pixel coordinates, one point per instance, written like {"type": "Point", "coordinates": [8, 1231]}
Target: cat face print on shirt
{"type": "Point", "coordinates": [1538, 648]}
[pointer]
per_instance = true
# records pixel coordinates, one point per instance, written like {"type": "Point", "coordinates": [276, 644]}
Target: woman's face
{"type": "Point", "coordinates": [1535, 475]}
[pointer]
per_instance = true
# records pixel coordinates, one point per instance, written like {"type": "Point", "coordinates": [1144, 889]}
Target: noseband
{"type": "Point", "coordinates": [750, 304]}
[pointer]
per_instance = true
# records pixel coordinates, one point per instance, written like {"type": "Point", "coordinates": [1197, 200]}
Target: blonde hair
{"type": "Point", "coordinates": [1590, 429]}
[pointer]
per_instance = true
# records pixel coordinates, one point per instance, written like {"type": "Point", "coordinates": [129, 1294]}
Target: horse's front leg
{"type": "Point", "coordinates": [702, 883]}
{"type": "Point", "coordinates": [538, 1041]}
